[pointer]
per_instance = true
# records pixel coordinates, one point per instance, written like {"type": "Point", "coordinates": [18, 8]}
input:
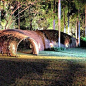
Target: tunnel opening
{"type": "Point", "coordinates": [25, 46]}
{"type": "Point", "coordinates": [28, 46]}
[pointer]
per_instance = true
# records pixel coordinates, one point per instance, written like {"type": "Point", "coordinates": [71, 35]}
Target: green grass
{"type": "Point", "coordinates": [43, 73]}
{"type": "Point", "coordinates": [63, 68]}
{"type": "Point", "coordinates": [71, 52]}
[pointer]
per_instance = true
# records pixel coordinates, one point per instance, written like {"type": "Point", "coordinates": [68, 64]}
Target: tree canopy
{"type": "Point", "coordinates": [39, 14]}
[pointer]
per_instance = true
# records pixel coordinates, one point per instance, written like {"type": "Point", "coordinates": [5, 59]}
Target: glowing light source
{"type": "Point", "coordinates": [66, 44]}
{"type": "Point", "coordinates": [51, 44]}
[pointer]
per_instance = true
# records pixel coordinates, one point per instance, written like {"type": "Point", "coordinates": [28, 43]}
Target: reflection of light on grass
{"type": "Point", "coordinates": [74, 53]}
{"type": "Point", "coordinates": [30, 56]}
{"type": "Point", "coordinates": [23, 57]}
{"type": "Point", "coordinates": [44, 57]}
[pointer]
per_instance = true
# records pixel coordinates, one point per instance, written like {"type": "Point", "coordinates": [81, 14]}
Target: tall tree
{"type": "Point", "coordinates": [78, 6]}
{"type": "Point", "coordinates": [0, 19]}
{"type": "Point", "coordinates": [0, 15]}
{"type": "Point", "coordinates": [79, 26]}
{"type": "Point", "coordinates": [85, 19]}
{"type": "Point", "coordinates": [54, 4]}
{"type": "Point", "coordinates": [59, 20]}
{"type": "Point", "coordinates": [64, 20]}
{"type": "Point", "coordinates": [64, 6]}
{"type": "Point", "coordinates": [16, 6]}
{"type": "Point", "coordinates": [18, 16]}
{"type": "Point", "coordinates": [68, 17]}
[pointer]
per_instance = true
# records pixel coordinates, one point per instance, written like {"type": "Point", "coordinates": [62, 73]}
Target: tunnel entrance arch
{"type": "Point", "coordinates": [28, 46]}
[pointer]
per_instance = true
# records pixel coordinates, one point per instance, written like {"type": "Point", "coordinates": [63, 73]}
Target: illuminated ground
{"type": "Point", "coordinates": [72, 53]}
{"type": "Point", "coordinates": [49, 68]}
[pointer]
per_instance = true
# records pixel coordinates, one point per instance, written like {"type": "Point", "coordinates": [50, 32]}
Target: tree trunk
{"type": "Point", "coordinates": [59, 21]}
{"type": "Point", "coordinates": [18, 18]}
{"type": "Point", "coordinates": [79, 33]}
{"type": "Point", "coordinates": [54, 24]}
{"type": "Point", "coordinates": [6, 23]}
{"type": "Point", "coordinates": [68, 17]}
{"type": "Point", "coordinates": [31, 24]}
{"type": "Point", "coordinates": [77, 28]}
{"type": "Point", "coordinates": [64, 20]}
{"type": "Point", "coordinates": [19, 21]}
{"type": "Point", "coordinates": [0, 20]}
{"type": "Point", "coordinates": [85, 20]}
{"type": "Point", "coordinates": [83, 27]}
{"type": "Point", "coordinates": [54, 16]}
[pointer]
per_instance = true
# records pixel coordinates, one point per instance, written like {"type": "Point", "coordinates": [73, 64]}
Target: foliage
{"type": "Point", "coordinates": [59, 49]}
{"type": "Point", "coordinates": [39, 14]}
{"type": "Point", "coordinates": [83, 38]}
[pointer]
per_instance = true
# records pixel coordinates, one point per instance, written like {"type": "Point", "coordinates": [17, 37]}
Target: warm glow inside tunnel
{"type": "Point", "coordinates": [28, 46]}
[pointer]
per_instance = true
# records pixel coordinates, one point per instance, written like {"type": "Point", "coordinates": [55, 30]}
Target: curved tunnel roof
{"type": "Point", "coordinates": [41, 39]}
{"type": "Point", "coordinates": [10, 39]}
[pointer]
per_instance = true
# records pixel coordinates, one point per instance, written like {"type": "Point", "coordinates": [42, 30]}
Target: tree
{"type": "Point", "coordinates": [78, 5]}
{"type": "Point", "coordinates": [54, 4]}
{"type": "Point", "coordinates": [10, 12]}
{"type": "Point", "coordinates": [40, 14]}
{"type": "Point", "coordinates": [68, 16]}
{"type": "Point", "coordinates": [59, 20]}
{"type": "Point", "coordinates": [0, 19]}
{"type": "Point", "coordinates": [64, 6]}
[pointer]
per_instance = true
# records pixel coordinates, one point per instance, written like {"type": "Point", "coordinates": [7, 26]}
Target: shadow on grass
{"type": "Point", "coordinates": [42, 73]}
{"type": "Point", "coordinates": [11, 70]}
{"type": "Point", "coordinates": [75, 75]}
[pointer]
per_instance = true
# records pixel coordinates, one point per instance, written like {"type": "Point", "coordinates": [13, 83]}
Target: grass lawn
{"type": "Point", "coordinates": [71, 52]}
{"type": "Point", "coordinates": [49, 68]}
{"type": "Point", "coordinates": [43, 72]}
